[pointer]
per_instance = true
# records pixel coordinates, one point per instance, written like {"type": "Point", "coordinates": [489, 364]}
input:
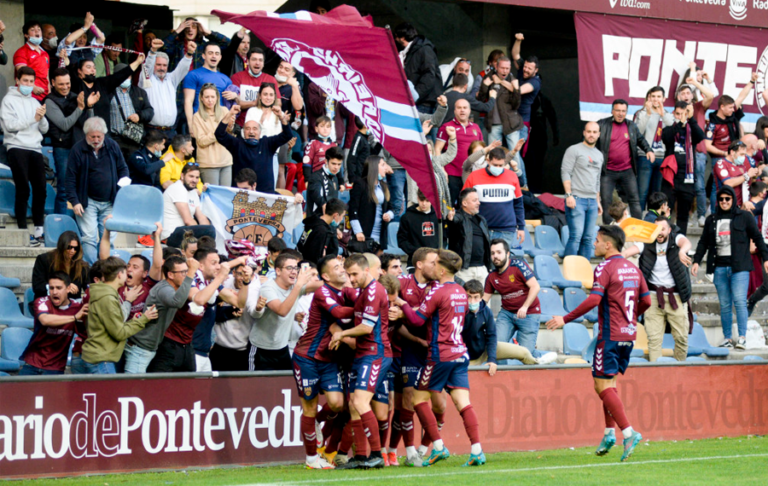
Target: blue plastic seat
{"type": "Point", "coordinates": [547, 238]}
{"type": "Point", "coordinates": [575, 338]}
{"type": "Point", "coordinates": [10, 314]}
{"type": "Point", "coordinates": [588, 353]}
{"type": "Point", "coordinates": [695, 358]}
{"type": "Point", "coordinates": [392, 247]}
{"type": "Point", "coordinates": [9, 282]}
{"type": "Point", "coordinates": [634, 360]}
{"type": "Point", "coordinates": [666, 359]}
{"type": "Point", "coordinates": [551, 305]}
{"type": "Point", "coordinates": [29, 297]}
{"type": "Point", "coordinates": [3, 373]}
{"type": "Point", "coordinates": [515, 362]}
{"type": "Point", "coordinates": [55, 225]}
{"type": "Point", "coordinates": [50, 200]}
{"type": "Point", "coordinates": [148, 254]}
{"type": "Point", "coordinates": [8, 199]}
{"type": "Point", "coordinates": [13, 342]}
{"type": "Point", "coordinates": [699, 339]}
{"type": "Point", "coordinates": [668, 342]}
{"type": "Point", "coordinates": [344, 196]}
{"type": "Point", "coordinates": [527, 247]}
{"type": "Point", "coordinates": [124, 255]}
{"type": "Point", "coordinates": [547, 271]}
{"type": "Point", "coordinates": [573, 297]}
{"type": "Point", "coordinates": [752, 357]}
{"type": "Point", "coordinates": [136, 210]}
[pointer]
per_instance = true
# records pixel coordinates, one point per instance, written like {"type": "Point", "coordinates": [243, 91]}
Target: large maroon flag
{"type": "Point", "coordinates": [357, 65]}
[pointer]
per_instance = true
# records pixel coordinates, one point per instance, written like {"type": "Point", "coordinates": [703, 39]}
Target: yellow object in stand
{"type": "Point", "coordinates": [533, 222]}
{"type": "Point", "coordinates": [577, 267]}
{"type": "Point", "coordinates": [640, 231]}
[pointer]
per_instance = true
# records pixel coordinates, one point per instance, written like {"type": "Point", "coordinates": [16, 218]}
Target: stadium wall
{"type": "Point", "coordinates": [86, 425]}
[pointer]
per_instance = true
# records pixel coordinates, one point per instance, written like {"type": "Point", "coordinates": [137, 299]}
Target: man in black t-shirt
{"type": "Point", "coordinates": [468, 235]}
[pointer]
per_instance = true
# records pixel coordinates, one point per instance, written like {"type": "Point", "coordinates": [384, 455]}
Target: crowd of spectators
{"type": "Point", "coordinates": [203, 111]}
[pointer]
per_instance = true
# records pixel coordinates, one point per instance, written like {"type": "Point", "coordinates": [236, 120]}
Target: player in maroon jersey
{"type": "Point", "coordinates": [373, 357]}
{"type": "Point", "coordinates": [622, 294]}
{"type": "Point", "coordinates": [413, 289]}
{"type": "Point", "coordinates": [140, 272]}
{"type": "Point", "coordinates": [313, 365]}
{"type": "Point", "coordinates": [443, 312]}
{"type": "Point", "coordinates": [57, 318]}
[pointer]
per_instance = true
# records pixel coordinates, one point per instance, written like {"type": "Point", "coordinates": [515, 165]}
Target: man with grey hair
{"type": "Point", "coordinates": [94, 168]}
{"type": "Point", "coordinates": [162, 88]}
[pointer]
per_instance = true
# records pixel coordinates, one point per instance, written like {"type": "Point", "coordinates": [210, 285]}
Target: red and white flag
{"type": "Point", "coordinates": [357, 65]}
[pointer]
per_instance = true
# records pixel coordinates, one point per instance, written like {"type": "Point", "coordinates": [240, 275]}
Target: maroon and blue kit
{"type": "Point", "coordinates": [373, 354]}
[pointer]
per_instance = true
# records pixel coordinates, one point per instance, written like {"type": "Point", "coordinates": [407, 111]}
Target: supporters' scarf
{"type": "Point", "coordinates": [689, 155]}
{"type": "Point", "coordinates": [657, 137]}
{"type": "Point", "coordinates": [237, 248]}
{"type": "Point", "coordinates": [145, 72]}
{"type": "Point", "coordinates": [731, 121]}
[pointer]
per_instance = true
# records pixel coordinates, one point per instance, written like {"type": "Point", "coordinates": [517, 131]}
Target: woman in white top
{"type": "Point", "coordinates": [270, 124]}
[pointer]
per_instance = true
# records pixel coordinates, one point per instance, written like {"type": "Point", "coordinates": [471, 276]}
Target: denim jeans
{"type": "Point", "coordinates": [648, 177]}
{"type": "Point", "coordinates": [102, 368]}
{"type": "Point", "coordinates": [701, 184]}
{"type": "Point", "coordinates": [511, 139]}
{"type": "Point", "coordinates": [29, 370]}
{"type": "Point", "coordinates": [60, 157]}
{"type": "Point", "coordinates": [137, 359]}
{"type": "Point", "coordinates": [527, 329]}
{"type": "Point", "coordinates": [91, 225]}
{"type": "Point", "coordinates": [627, 180]}
{"type": "Point", "coordinates": [509, 236]}
{"type": "Point", "coordinates": [78, 366]}
{"type": "Point", "coordinates": [396, 182]}
{"type": "Point", "coordinates": [581, 226]}
{"type": "Point", "coordinates": [732, 292]}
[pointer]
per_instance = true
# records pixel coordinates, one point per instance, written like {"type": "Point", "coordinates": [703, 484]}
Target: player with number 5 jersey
{"type": "Point", "coordinates": [622, 295]}
{"type": "Point", "coordinates": [443, 312]}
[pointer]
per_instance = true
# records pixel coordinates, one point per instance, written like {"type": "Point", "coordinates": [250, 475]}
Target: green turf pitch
{"type": "Point", "coordinates": [724, 461]}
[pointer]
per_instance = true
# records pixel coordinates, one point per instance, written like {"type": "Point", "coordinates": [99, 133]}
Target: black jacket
{"type": "Point", "coordinates": [67, 104]}
{"type": "Point", "coordinates": [359, 151]}
{"type": "Point", "coordinates": [42, 270]}
{"type": "Point", "coordinates": [320, 188]}
{"type": "Point", "coordinates": [421, 68]}
{"type": "Point", "coordinates": [460, 237]}
{"type": "Point", "coordinates": [317, 240]}
{"type": "Point", "coordinates": [417, 230]}
{"type": "Point", "coordinates": [106, 87]}
{"type": "Point", "coordinates": [743, 228]}
{"type": "Point", "coordinates": [141, 105]}
{"type": "Point", "coordinates": [668, 135]}
{"type": "Point", "coordinates": [676, 267]}
{"type": "Point", "coordinates": [361, 208]}
{"type": "Point", "coordinates": [145, 167]}
{"type": "Point", "coordinates": [479, 333]}
{"type": "Point", "coordinates": [635, 138]}
{"type": "Point", "coordinates": [76, 183]}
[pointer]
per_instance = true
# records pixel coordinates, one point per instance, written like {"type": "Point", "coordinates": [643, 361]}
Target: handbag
{"type": "Point", "coordinates": [133, 132]}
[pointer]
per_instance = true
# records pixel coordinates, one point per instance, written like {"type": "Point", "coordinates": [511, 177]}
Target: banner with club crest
{"type": "Point", "coordinates": [249, 215]}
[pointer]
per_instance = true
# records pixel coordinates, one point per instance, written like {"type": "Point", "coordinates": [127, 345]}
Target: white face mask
{"type": "Point", "coordinates": [281, 79]}
{"type": "Point", "coordinates": [53, 42]}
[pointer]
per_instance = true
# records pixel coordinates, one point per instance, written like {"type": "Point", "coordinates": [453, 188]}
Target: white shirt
{"type": "Point", "coordinates": [162, 92]}
{"type": "Point", "coordinates": [661, 276]}
{"type": "Point", "coordinates": [271, 331]}
{"type": "Point", "coordinates": [172, 219]}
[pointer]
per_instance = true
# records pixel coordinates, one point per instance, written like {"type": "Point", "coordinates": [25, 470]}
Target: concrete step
{"type": "Point", "coordinates": [14, 237]}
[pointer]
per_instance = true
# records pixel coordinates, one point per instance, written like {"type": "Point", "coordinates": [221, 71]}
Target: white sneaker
{"type": "Point", "coordinates": [319, 463]}
{"type": "Point", "coordinates": [547, 358]}
{"type": "Point", "coordinates": [414, 460]}
{"type": "Point", "coordinates": [340, 459]}
{"type": "Point", "coordinates": [702, 220]}
{"type": "Point", "coordinates": [319, 433]}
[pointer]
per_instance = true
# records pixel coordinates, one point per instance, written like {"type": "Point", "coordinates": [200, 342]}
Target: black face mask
{"type": "Point", "coordinates": [89, 78]}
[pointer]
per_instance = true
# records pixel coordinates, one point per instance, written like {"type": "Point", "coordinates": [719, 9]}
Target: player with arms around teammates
{"type": "Point", "coordinates": [622, 294]}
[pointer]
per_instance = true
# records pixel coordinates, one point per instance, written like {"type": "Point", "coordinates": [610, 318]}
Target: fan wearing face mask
{"type": "Point", "coordinates": [32, 55]}
{"type": "Point", "coordinates": [129, 105]}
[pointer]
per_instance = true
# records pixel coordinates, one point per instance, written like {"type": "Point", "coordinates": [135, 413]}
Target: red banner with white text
{"type": "Point", "coordinates": [622, 57]}
{"type": "Point", "coordinates": [60, 428]}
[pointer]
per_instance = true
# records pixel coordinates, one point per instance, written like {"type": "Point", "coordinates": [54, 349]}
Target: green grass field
{"type": "Point", "coordinates": [724, 461]}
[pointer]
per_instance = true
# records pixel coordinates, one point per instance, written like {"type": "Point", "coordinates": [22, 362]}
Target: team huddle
{"type": "Point", "coordinates": [375, 341]}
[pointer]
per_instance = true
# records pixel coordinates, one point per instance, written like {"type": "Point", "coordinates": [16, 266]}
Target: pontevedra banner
{"type": "Point", "coordinates": [622, 57]}
{"type": "Point", "coordinates": [249, 215]}
{"type": "Point", "coordinates": [357, 65]}
{"type": "Point", "coordinates": [59, 427]}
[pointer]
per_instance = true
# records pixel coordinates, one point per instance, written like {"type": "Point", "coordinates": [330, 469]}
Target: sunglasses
{"type": "Point", "coordinates": [193, 164]}
{"type": "Point", "coordinates": [724, 199]}
{"type": "Point", "coordinates": [464, 60]}
{"type": "Point", "coordinates": [72, 247]}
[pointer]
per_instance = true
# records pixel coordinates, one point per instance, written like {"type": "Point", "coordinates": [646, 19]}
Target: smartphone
{"type": "Point", "coordinates": [304, 266]}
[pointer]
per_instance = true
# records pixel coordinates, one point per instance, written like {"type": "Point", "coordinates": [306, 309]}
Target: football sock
{"type": "Point", "coordinates": [406, 425]}
{"type": "Point", "coordinates": [397, 431]}
{"type": "Point", "coordinates": [476, 449]}
{"type": "Point", "coordinates": [423, 449]}
{"type": "Point", "coordinates": [370, 427]}
{"type": "Point", "coordinates": [311, 459]}
{"type": "Point", "coordinates": [383, 431]}
{"type": "Point", "coordinates": [608, 431]}
{"type": "Point", "coordinates": [440, 417]}
{"type": "Point", "coordinates": [410, 451]}
{"type": "Point", "coordinates": [361, 443]}
{"type": "Point", "coordinates": [609, 422]}
{"type": "Point", "coordinates": [613, 403]}
{"type": "Point", "coordinates": [627, 433]}
{"type": "Point", "coordinates": [471, 425]}
{"type": "Point", "coordinates": [347, 438]}
{"type": "Point", "coordinates": [428, 421]}
{"type": "Point", "coordinates": [332, 445]}
{"type": "Point", "coordinates": [309, 435]}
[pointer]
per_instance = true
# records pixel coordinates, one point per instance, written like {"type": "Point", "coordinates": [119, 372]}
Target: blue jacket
{"type": "Point", "coordinates": [256, 157]}
{"type": "Point", "coordinates": [145, 168]}
{"type": "Point", "coordinates": [479, 333]}
{"type": "Point", "coordinates": [80, 157]}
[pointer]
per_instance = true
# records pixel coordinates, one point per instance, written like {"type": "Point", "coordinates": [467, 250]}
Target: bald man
{"type": "Point", "coordinates": [580, 173]}
{"type": "Point", "coordinates": [466, 133]}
